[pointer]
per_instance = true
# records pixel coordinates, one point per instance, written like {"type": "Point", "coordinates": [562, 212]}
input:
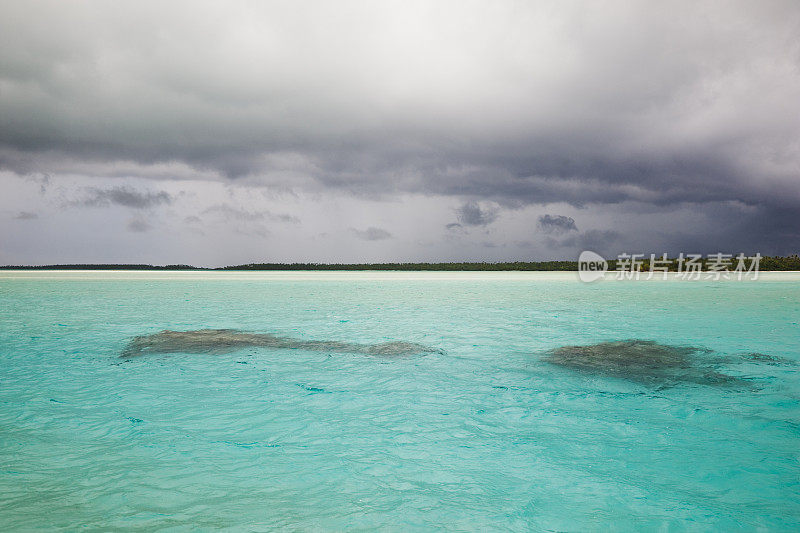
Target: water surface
{"type": "Point", "coordinates": [482, 432]}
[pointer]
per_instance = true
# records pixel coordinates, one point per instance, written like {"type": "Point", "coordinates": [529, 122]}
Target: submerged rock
{"type": "Point", "coordinates": [643, 361]}
{"type": "Point", "coordinates": [220, 341]}
{"type": "Point", "coordinates": [766, 359]}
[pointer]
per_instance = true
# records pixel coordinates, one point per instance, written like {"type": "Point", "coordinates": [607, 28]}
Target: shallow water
{"type": "Point", "coordinates": [486, 434]}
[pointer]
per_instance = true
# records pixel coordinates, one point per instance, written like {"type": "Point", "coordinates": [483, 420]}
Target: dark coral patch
{"type": "Point", "coordinates": [220, 341]}
{"type": "Point", "coordinates": [643, 361]}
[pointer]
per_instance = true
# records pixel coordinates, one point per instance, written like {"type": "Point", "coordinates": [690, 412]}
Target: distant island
{"type": "Point", "coordinates": [767, 263]}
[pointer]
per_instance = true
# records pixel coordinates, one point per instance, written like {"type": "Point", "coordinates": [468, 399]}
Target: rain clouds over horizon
{"type": "Point", "coordinates": [223, 133]}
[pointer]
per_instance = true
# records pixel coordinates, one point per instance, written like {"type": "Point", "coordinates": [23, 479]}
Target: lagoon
{"type": "Point", "coordinates": [481, 432]}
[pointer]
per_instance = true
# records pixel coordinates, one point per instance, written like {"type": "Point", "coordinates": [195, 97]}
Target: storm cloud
{"type": "Point", "coordinates": [138, 225]}
{"type": "Point", "coordinates": [471, 214]}
{"type": "Point", "coordinates": [372, 234]}
{"type": "Point", "coordinates": [556, 224]}
{"type": "Point", "coordinates": [123, 196]}
{"type": "Point", "coordinates": [233, 213]}
{"type": "Point", "coordinates": [615, 109]}
{"type": "Point", "coordinates": [594, 240]}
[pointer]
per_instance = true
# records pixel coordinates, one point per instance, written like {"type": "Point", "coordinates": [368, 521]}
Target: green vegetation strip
{"type": "Point", "coordinates": [767, 263]}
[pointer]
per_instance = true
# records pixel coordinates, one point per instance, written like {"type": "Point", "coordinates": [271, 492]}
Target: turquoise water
{"type": "Point", "coordinates": [485, 435]}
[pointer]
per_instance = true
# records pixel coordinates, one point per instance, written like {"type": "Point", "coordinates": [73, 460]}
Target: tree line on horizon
{"type": "Point", "coordinates": [767, 263]}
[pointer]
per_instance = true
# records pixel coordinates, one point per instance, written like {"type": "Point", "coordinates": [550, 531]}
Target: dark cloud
{"type": "Point", "coordinates": [124, 196]}
{"type": "Point", "coordinates": [372, 234]}
{"type": "Point", "coordinates": [666, 106]}
{"type": "Point", "coordinates": [595, 240]}
{"type": "Point", "coordinates": [766, 229]}
{"type": "Point", "coordinates": [556, 224]}
{"type": "Point", "coordinates": [286, 218]}
{"type": "Point", "coordinates": [138, 225]}
{"type": "Point", "coordinates": [25, 215]}
{"type": "Point", "coordinates": [230, 212]}
{"type": "Point", "coordinates": [471, 214]}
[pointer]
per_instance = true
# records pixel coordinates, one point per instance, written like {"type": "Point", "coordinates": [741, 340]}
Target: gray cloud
{"type": "Point", "coordinates": [371, 234]}
{"type": "Point", "coordinates": [556, 224]}
{"type": "Point", "coordinates": [471, 214]}
{"type": "Point", "coordinates": [26, 215]}
{"type": "Point", "coordinates": [138, 225]}
{"type": "Point", "coordinates": [124, 196]}
{"type": "Point", "coordinates": [661, 107]}
{"type": "Point", "coordinates": [595, 240]}
{"type": "Point", "coordinates": [230, 212]}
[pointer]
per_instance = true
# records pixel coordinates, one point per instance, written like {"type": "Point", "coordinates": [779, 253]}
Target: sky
{"type": "Point", "coordinates": [218, 133]}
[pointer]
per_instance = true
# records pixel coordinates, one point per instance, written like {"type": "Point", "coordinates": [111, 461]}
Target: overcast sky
{"type": "Point", "coordinates": [218, 133]}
